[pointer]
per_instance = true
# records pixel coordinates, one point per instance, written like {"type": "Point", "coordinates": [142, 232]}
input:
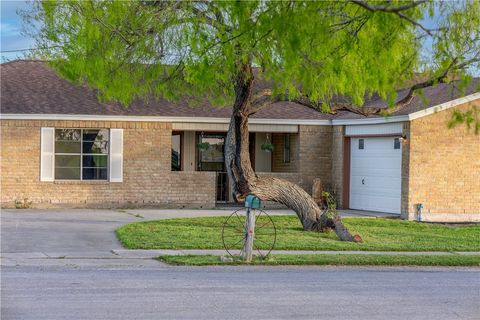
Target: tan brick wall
{"type": "Point", "coordinates": [147, 181]}
{"type": "Point", "coordinates": [337, 163]}
{"type": "Point", "coordinates": [278, 164]}
{"type": "Point", "coordinates": [443, 168]}
{"type": "Point", "coordinates": [315, 153]}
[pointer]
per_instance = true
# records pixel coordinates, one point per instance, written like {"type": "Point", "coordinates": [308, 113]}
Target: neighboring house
{"type": "Point", "coordinates": [62, 147]}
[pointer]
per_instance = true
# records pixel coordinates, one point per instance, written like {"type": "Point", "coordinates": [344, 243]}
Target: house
{"type": "Point", "coordinates": [60, 146]}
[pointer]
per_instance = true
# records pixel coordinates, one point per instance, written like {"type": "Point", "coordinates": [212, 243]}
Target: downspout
{"type": "Point", "coordinates": [419, 212]}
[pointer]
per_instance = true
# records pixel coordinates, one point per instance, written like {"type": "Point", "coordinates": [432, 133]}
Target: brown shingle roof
{"type": "Point", "coordinates": [31, 87]}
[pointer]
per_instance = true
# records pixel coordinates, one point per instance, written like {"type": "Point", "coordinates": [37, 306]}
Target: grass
{"type": "Point", "coordinates": [334, 259]}
{"type": "Point", "coordinates": [378, 235]}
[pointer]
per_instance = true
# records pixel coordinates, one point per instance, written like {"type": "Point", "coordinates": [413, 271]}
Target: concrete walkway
{"type": "Point", "coordinates": [153, 214]}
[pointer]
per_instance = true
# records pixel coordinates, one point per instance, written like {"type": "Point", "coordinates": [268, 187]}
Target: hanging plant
{"type": "Point", "coordinates": [267, 147]}
{"type": "Point", "coordinates": [203, 146]}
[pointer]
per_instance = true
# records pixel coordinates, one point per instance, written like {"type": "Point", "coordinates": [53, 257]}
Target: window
{"type": "Point", "coordinates": [176, 151]}
{"type": "Point", "coordinates": [286, 148]}
{"type": "Point", "coordinates": [361, 144]}
{"type": "Point", "coordinates": [396, 143]}
{"type": "Point", "coordinates": [211, 152]}
{"type": "Point", "coordinates": [81, 154]}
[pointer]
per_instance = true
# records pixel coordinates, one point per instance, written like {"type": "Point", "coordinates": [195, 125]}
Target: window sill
{"type": "Point", "coordinates": [81, 182]}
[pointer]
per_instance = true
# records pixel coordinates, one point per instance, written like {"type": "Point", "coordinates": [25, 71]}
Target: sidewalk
{"type": "Point", "coordinates": [154, 214]}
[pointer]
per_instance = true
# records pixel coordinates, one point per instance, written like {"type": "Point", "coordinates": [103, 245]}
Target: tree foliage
{"type": "Point", "coordinates": [318, 49]}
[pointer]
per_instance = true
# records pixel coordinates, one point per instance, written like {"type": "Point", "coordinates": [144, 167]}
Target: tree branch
{"type": "Point", "coordinates": [398, 11]}
{"type": "Point", "coordinates": [394, 9]}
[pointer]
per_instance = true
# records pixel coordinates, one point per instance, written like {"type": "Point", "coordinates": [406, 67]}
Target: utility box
{"type": "Point", "coordinates": [252, 202]}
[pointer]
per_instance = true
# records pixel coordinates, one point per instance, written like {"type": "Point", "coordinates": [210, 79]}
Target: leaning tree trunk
{"type": "Point", "coordinates": [245, 181]}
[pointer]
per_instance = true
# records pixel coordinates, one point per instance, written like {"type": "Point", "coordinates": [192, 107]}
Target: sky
{"type": "Point", "coordinates": [10, 30]}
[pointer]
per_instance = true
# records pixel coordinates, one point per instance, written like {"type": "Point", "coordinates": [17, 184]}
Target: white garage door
{"type": "Point", "coordinates": [375, 174]}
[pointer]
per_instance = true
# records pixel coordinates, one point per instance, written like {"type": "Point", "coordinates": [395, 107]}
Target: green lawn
{"type": "Point", "coordinates": [334, 259]}
{"type": "Point", "coordinates": [378, 235]}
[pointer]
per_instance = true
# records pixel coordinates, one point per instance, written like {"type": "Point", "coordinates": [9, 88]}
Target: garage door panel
{"type": "Point", "coordinates": [376, 182]}
{"type": "Point", "coordinates": [375, 175]}
{"type": "Point", "coordinates": [377, 172]}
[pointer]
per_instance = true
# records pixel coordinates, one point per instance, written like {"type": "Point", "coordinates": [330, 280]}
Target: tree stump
{"type": "Point", "coordinates": [317, 190]}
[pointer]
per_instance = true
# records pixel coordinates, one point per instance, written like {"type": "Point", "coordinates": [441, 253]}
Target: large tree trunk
{"type": "Point", "coordinates": [245, 181]}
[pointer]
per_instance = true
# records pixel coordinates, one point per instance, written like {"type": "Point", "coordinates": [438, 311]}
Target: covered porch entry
{"type": "Point", "coordinates": [200, 147]}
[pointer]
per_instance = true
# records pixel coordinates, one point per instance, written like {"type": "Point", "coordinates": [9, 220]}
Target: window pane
{"type": "Point", "coordinates": [95, 141]}
{"type": "Point", "coordinates": [67, 140]}
{"type": "Point", "coordinates": [67, 134]}
{"type": "Point", "coordinates": [361, 144]}
{"type": "Point", "coordinates": [67, 147]}
{"type": "Point", "coordinates": [94, 174]}
{"type": "Point", "coordinates": [214, 153]}
{"type": "Point", "coordinates": [62, 161]}
{"type": "Point", "coordinates": [95, 135]}
{"type": "Point", "coordinates": [95, 147]}
{"type": "Point", "coordinates": [176, 153]}
{"type": "Point", "coordinates": [95, 161]}
{"type": "Point", "coordinates": [396, 143]}
{"type": "Point", "coordinates": [67, 173]}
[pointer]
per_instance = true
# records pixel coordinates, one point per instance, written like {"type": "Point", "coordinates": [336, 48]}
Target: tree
{"type": "Point", "coordinates": [308, 52]}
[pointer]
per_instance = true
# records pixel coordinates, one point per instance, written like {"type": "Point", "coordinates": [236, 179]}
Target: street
{"type": "Point", "coordinates": [157, 291]}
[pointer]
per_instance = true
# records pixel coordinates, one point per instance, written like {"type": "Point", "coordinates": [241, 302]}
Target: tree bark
{"type": "Point", "coordinates": [245, 181]}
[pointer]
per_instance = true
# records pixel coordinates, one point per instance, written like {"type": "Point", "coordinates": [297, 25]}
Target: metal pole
{"type": "Point", "coordinates": [250, 232]}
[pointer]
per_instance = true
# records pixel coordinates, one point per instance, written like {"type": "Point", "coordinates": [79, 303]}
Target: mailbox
{"type": "Point", "coordinates": [252, 202]}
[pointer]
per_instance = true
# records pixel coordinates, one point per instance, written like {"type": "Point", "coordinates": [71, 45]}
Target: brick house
{"type": "Point", "coordinates": [60, 146]}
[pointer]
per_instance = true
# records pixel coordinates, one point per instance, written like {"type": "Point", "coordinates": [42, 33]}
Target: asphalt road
{"type": "Point", "coordinates": [165, 292]}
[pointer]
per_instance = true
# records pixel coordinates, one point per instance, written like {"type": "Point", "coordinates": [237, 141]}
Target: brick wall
{"type": "Point", "coordinates": [443, 169]}
{"type": "Point", "coordinates": [315, 156]}
{"type": "Point", "coordinates": [147, 179]}
{"type": "Point", "coordinates": [278, 163]}
{"type": "Point", "coordinates": [310, 157]}
{"type": "Point", "coordinates": [337, 163]}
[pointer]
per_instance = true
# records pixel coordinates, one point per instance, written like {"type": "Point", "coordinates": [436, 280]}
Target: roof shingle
{"type": "Point", "coordinates": [31, 87]}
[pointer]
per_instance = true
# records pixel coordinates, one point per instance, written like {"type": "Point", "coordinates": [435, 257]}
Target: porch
{"type": "Point", "coordinates": [273, 150]}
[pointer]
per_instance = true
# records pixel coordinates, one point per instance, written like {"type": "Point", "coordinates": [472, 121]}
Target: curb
{"type": "Point", "coordinates": [145, 254]}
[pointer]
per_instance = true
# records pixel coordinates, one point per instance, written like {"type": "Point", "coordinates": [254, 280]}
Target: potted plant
{"type": "Point", "coordinates": [267, 147]}
{"type": "Point", "coordinates": [203, 146]}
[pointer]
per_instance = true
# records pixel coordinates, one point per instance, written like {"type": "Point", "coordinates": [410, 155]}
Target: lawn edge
{"type": "Point", "coordinates": [454, 260]}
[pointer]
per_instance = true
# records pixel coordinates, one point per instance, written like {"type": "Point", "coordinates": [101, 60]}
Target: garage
{"type": "Point", "coordinates": [375, 172]}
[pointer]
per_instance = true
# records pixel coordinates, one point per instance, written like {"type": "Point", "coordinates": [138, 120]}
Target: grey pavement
{"type": "Point", "coordinates": [165, 292]}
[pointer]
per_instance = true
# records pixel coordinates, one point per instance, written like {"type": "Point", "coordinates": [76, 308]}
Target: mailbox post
{"type": "Point", "coordinates": [251, 203]}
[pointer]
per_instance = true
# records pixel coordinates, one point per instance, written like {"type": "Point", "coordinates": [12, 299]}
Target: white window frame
{"type": "Point", "coordinates": [81, 154]}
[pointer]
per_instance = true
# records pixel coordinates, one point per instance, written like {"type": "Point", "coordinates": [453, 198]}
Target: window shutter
{"type": "Point", "coordinates": [47, 160]}
{"type": "Point", "coordinates": [116, 155]}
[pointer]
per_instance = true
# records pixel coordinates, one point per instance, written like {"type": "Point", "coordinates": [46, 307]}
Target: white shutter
{"type": "Point", "coordinates": [47, 151]}
{"type": "Point", "coordinates": [116, 155]}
